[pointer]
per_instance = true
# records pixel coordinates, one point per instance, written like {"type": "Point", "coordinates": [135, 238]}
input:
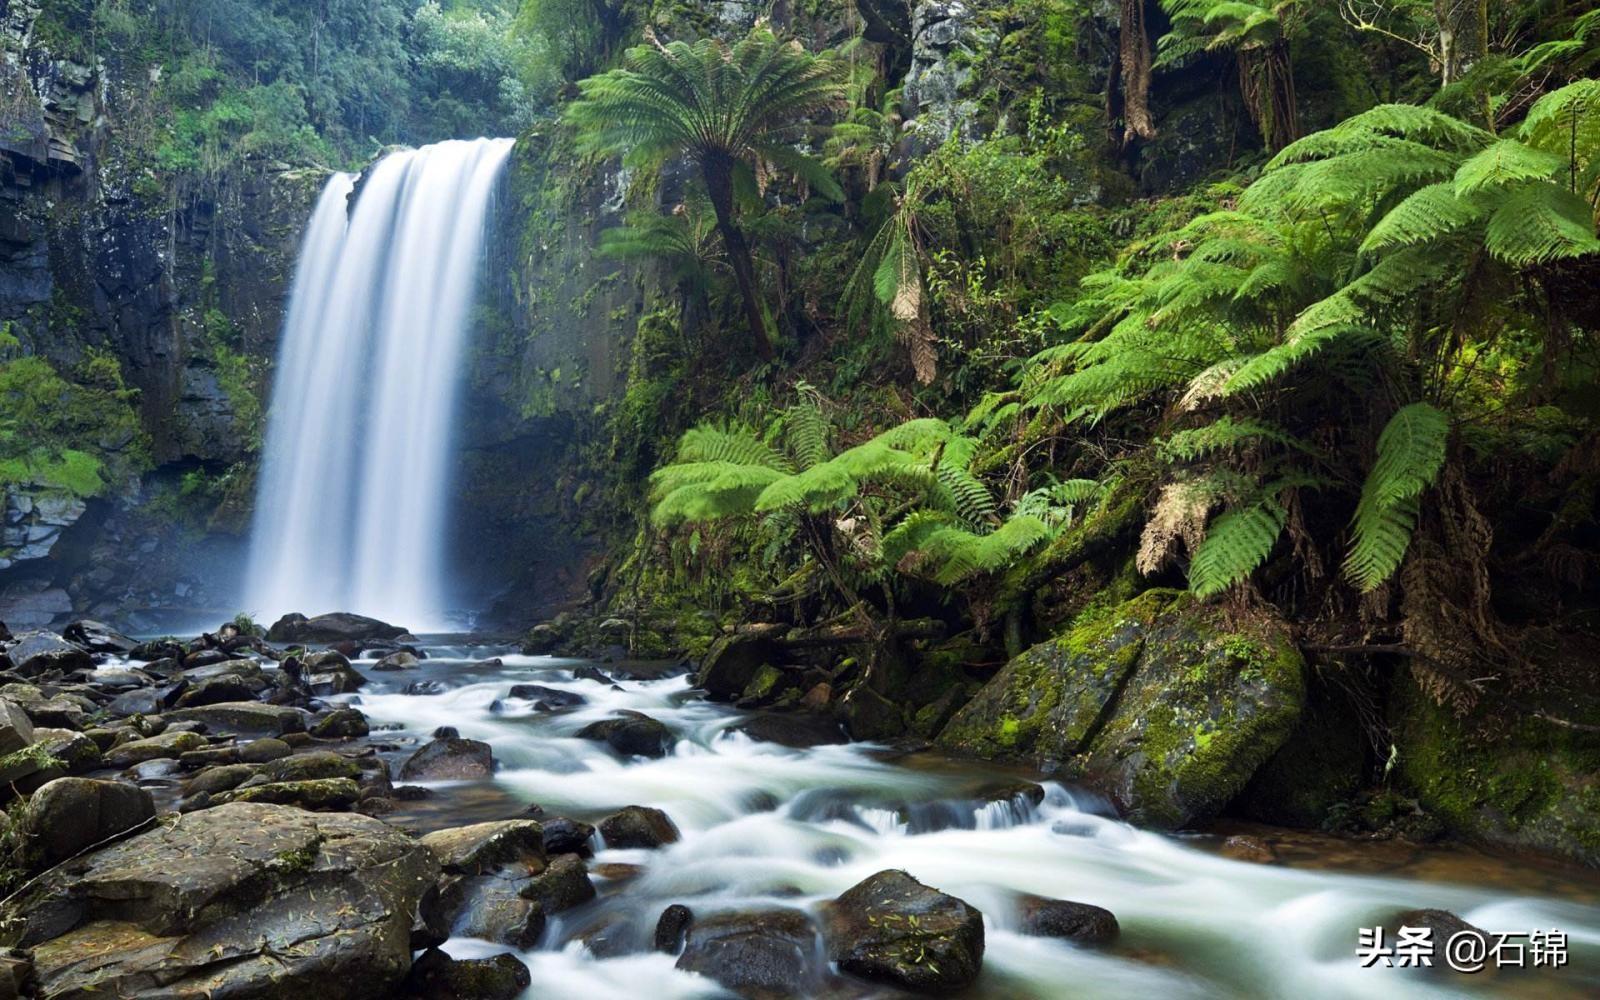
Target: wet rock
{"type": "Point", "coordinates": [69, 814]}
{"type": "Point", "coordinates": [1243, 848]}
{"type": "Point", "coordinates": [868, 715]}
{"type": "Point", "coordinates": [446, 733]}
{"type": "Point", "coordinates": [239, 900]}
{"type": "Point", "coordinates": [485, 847]}
{"type": "Point", "coordinates": [672, 928]}
{"type": "Point", "coordinates": [35, 653]}
{"type": "Point", "coordinates": [638, 826]}
{"type": "Point", "coordinates": [567, 836]}
{"type": "Point", "coordinates": [1080, 923]}
{"type": "Point", "coordinates": [246, 717]}
{"type": "Point", "coordinates": [437, 976]}
{"type": "Point", "coordinates": [341, 723]}
{"type": "Point", "coordinates": [75, 752]}
{"type": "Point", "coordinates": [263, 750]}
{"type": "Point", "coordinates": [398, 661]}
{"type": "Point", "coordinates": [336, 627]}
{"type": "Point", "coordinates": [1444, 925]}
{"type": "Point", "coordinates": [798, 731]}
{"type": "Point", "coordinates": [892, 929]}
{"type": "Point", "coordinates": [449, 760]}
{"type": "Point", "coordinates": [329, 673]}
{"type": "Point", "coordinates": [210, 656]}
{"type": "Point", "coordinates": [563, 884]}
{"type": "Point", "coordinates": [310, 767]}
{"type": "Point", "coordinates": [97, 637]}
{"type": "Point", "coordinates": [588, 672]}
{"type": "Point", "coordinates": [146, 702]}
{"type": "Point", "coordinates": [322, 794]}
{"type": "Point", "coordinates": [155, 747]}
{"type": "Point", "coordinates": [221, 778]}
{"type": "Point", "coordinates": [546, 698]}
{"type": "Point", "coordinates": [115, 680]}
{"type": "Point", "coordinates": [732, 663]}
{"type": "Point", "coordinates": [156, 649]}
{"type": "Point", "coordinates": [766, 952]}
{"type": "Point", "coordinates": [221, 690]}
{"type": "Point", "coordinates": [633, 735]}
{"type": "Point", "coordinates": [425, 688]}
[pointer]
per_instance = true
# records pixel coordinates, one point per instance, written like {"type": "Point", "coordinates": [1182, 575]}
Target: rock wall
{"type": "Point", "coordinates": [181, 282]}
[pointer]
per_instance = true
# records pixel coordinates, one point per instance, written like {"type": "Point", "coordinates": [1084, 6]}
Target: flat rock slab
{"type": "Point", "coordinates": [336, 627]}
{"type": "Point", "coordinates": [242, 900]}
{"type": "Point", "coordinates": [245, 717]}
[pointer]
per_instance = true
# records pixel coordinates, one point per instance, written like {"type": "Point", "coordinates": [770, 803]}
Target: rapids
{"type": "Point", "coordinates": [766, 825]}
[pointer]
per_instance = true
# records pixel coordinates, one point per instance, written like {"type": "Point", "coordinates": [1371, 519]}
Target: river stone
{"type": "Point", "coordinates": [329, 672]}
{"type": "Point", "coordinates": [437, 976]}
{"type": "Point", "coordinates": [567, 836]}
{"type": "Point", "coordinates": [218, 779]}
{"type": "Point", "coordinates": [98, 637]}
{"type": "Point", "coordinates": [546, 698]}
{"type": "Point", "coordinates": [892, 929]}
{"type": "Point", "coordinates": [797, 731]}
{"type": "Point", "coordinates": [156, 649]}
{"type": "Point", "coordinates": [401, 660]}
{"type": "Point", "coordinates": [491, 905]}
{"type": "Point", "coordinates": [638, 826]}
{"type": "Point", "coordinates": [69, 814]}
{"type": "Point", "coordinates": [311, 767]}
{"type": "Point", "coordinates": [341, 723]}
{"type": "Point", "coordinates": [142, 702]}
{"type": "Point", "coordinates": [672, 928]}
{"type": "Point", "coordinates": [37, 652]}
{"type": "Point", "coordinates": [240, 900]}
{"type": "Point", "coordinates": [75, 751]}
{"type": "Point", "coordinates": [483, 847]}
{"type": "Point", "coordinates": [220, 690]}
{"type": "Point", "coordinates": [732, 662]}
{"type": "Point", "coordinates": [320, 794]}
{"type": "Point", "coordinates": [245, 716]}
{"type": "Point", "coordinates": [154, 748]}
{"type": "Point", "coordinates": [634, 735]}
{"type": "Point", "coordinates": [765, 952]}
{"type": "Point", "coordinates": [1442, 924]}
{"type": "Point", "coordinates": [1081, 923]}
{"type": "Point", "coordinates": [563, 884]}
{"type": "Point", "coordinates": [266, 749]}
{"type": "Point", "coordinates": [449, 760]}
{"type": "Point", "coordinates": [336, 627]}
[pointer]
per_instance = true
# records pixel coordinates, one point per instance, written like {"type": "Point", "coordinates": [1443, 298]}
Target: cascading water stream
{"type": "Point", "coordinates": [354, 491]}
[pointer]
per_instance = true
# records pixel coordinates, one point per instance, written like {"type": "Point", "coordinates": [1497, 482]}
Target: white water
{"type": "Point", "coordinates": [356, 473]}
{"type": "Point", "coordinates": [764, 825]}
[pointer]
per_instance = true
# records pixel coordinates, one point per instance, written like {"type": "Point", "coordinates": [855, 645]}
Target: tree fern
{"type": "Point", "coordinates": [1506, 162]}
{"type": "Point", "coordinates": [1411, 450]}
{"type": "Point", "coordinates": [1539, 223]}
{"type": "Point", "coordinates": [1428, 213]}
{"type": "Point", "coordinates": [1235, 543]}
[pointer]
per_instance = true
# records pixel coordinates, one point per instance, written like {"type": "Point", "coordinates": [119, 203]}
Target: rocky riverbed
{"type": "Point", "coordinates": [344, 810]}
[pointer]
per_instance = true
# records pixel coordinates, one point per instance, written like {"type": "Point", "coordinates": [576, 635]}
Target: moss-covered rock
{"type": "Point", "coordinates": [1046, 703]}
{"type": "Point", "coordinates": [1505, 779]}
{"type": "Point", "coordinates": [1320, 767]}
{"type": "Point", "coordinates": [1214, 696]}
{"type": "Point", "coordinates": [1165, 704]}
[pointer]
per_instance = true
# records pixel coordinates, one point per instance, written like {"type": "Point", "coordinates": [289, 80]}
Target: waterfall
{"type": "Point", "coordinates": [355, 479]}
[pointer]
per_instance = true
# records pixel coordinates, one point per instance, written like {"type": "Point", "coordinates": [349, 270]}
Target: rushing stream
{"type": "Point", "coordinates": [767, 825]}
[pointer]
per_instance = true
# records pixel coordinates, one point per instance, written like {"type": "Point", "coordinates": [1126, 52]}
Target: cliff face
{"type": "Point", "coordinates": [181, 284]}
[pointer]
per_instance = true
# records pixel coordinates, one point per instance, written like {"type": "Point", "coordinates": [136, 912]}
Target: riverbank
{"type": "Point", "coordinates": [348, 792]}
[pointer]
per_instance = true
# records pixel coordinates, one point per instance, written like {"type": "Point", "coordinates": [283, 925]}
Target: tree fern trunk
{"type": "Point", "coordinates": [1133, 74]}
{"type": "Point", "coordinates": [718, 174]}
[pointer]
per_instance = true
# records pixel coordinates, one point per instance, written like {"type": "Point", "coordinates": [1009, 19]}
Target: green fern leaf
{"type": "Point", "coordinates": [1235, 544]}
{"type": "Point", "coordinates": [1411, 450]}
{"type": "Point", "coordinates": [1505, 163]}
{"type": "Point", "coordinates": [1539, 223]}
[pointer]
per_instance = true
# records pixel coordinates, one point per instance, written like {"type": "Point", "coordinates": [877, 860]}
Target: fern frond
{"type": "Point", "coordinates": [1541, 222]}
{"type": "Point", "coordinates": [1505, 163]}
{"type": "Point", "coordinates": [1428, 213]}
{"type": "Point", "coordinates": [1411, 450]}
{"type": "Point", "coordinates": [1224, 434]}
{"type": "Point", "coordinates": [1235, 544]}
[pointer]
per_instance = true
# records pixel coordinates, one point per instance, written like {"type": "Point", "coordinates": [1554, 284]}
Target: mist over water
{"type": "Point", "coordinates": [357, 465]}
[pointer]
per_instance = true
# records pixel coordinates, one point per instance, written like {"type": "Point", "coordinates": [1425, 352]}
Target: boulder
{"type": "Point", "coordinates": [34, 653]}
{"type": "Point", "coordinates": [98, 637]}
{"type": "Point", "coordinates": [633, 735]}
{"type": "Point", "coordinates": [321, 794]}
{"type": "Point", "coordinates": [485, 847]}
{"type": "Point", "coordinates": [142, 702]}
{"type": "Point", "coordinates": [1163, 704]}
{"type": "Point", "coordinates": [672, 928]}
{"type": "Point", "coordinates": [1080, 923]}
{"type": "Point", "coordinates": [156, 649]}
{"type": "Point", "coordinates": [75, 752]}
{"type": "Point", "coordinates": [546, 698]}
{"type": "Point", "coordinates": [1443, 925]}
{"type": "Point", "coordinates": [245, 717]}
{"type": "Point", "coordinates": [69, 814]}
{"type": "Point", "coordinates": [153, 748]}
{"type": "Point", "coordinates": [336, 627]}
{"type": "Point", "coordinates": [218, 779]}
{"type": "Point", "coordinates": [449, 760]}
{"type": "Point", "coordinates": [341, 723]}
{"type": "Point", "coordinates": [764, 952]}
{"type": "Point", "coordinates": [563, 884]}
{"type": "Point", "coordinates": [437, 976]}
{"type": "Point", "coordinates": [567, 836]}
{"type": "Point", "coordinates": [221, 690]}
{"type": "Point", "coordinates": [732, 663]}
{"type": "Point", "coordinates": [330, 673]}
{"type": "Point", "coordinates": [261, 751]}
{"type": "Point", "coordinates": [402, 660]}
{"type": "Point", "coordinates": [240, 900]}
{"type": "Point", "coordinates": [638, 826]}
{"type": "Point", "coordinates": [311, 767]}
{"type": "Point", "coordinates": [892, 929]}
{"type": "Point", "coordinates": [798, 731]}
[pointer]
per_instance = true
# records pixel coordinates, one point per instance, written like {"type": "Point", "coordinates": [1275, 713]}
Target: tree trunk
{"type": "Point", "coordinates": [1463, 36]}
{"type": "Point", "coordinates": [1133, 66]}
{"type": "Point", "coordinates": [718, 174]}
